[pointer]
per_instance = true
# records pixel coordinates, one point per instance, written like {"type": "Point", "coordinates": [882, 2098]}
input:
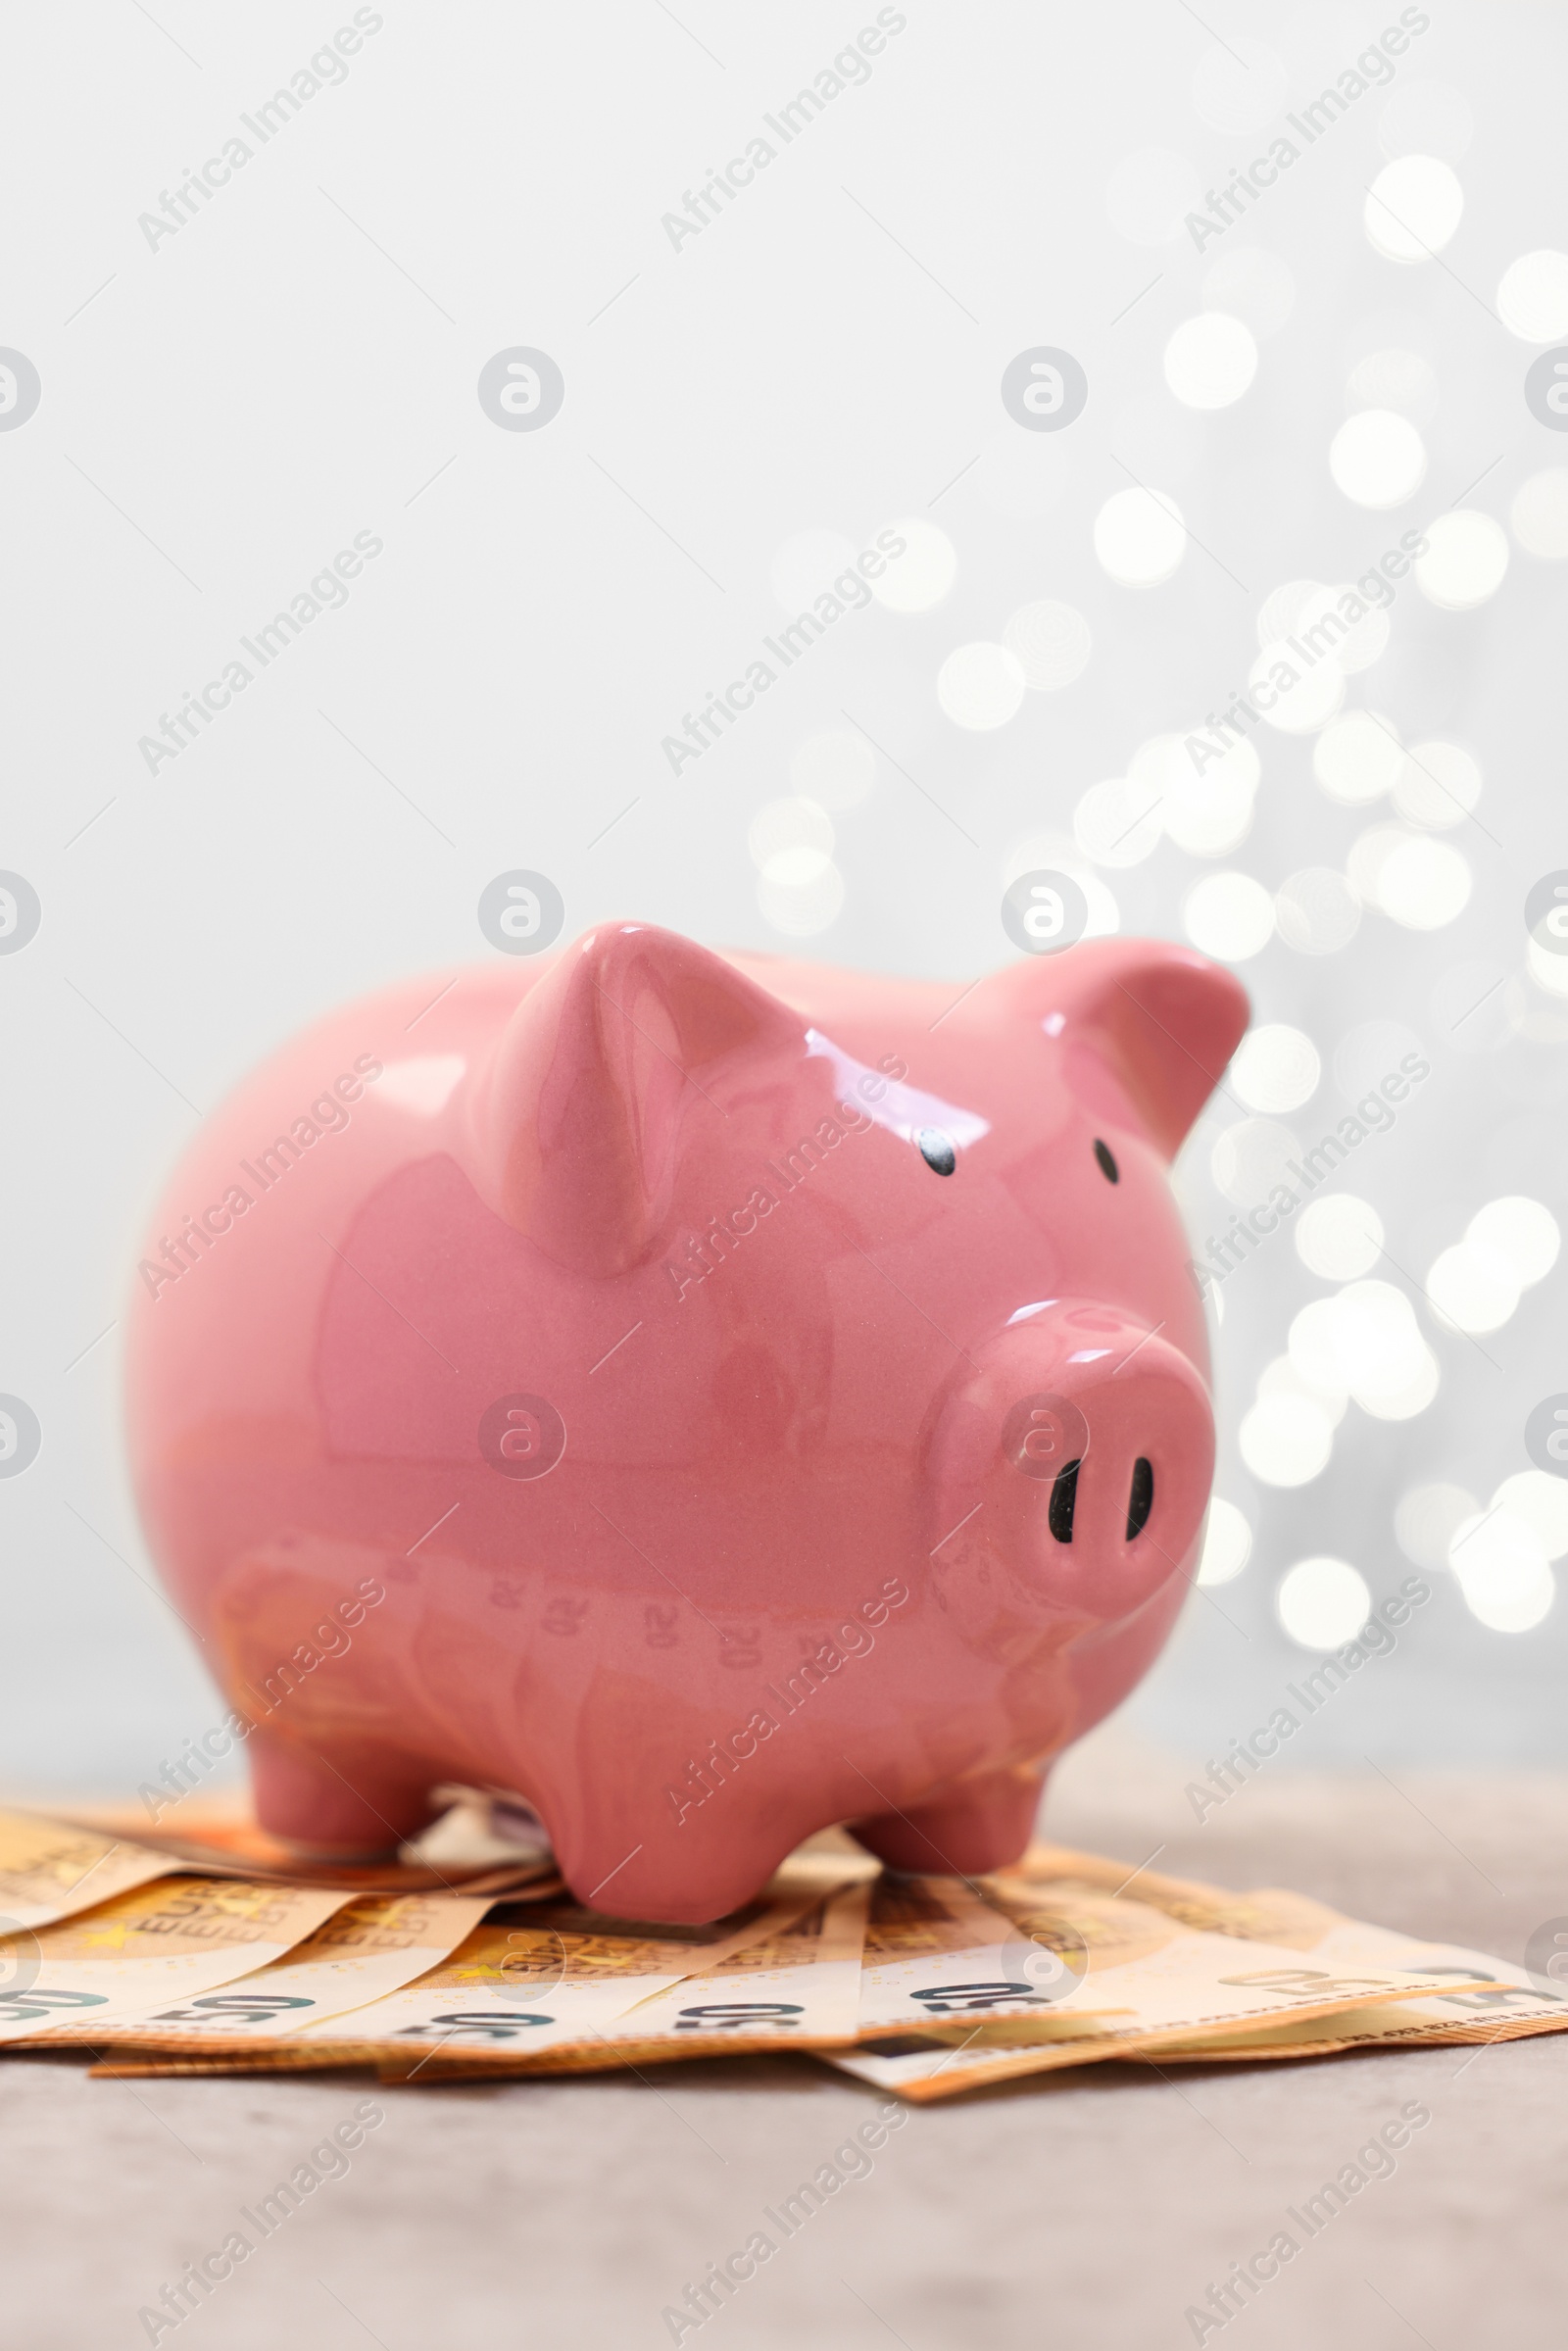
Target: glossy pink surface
{"type": "Point", "coordinates": [697, 1561]}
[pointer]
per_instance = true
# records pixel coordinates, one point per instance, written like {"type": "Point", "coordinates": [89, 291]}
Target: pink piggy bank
{"type": "Point", "coordinates": [710, 1396]}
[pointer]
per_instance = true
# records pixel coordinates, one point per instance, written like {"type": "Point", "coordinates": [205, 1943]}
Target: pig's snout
{"type": "Point", "coordinates": [1079, 1450]}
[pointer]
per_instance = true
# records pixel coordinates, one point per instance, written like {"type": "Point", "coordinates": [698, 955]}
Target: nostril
{"type": "Point", "coordinates": [1141, 1500]}
{"type": "Point", "coordinates": [1063, 1495]}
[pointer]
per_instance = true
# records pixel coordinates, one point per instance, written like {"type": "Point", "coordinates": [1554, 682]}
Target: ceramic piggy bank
{"type": "Point", "coordinates": [709, 1397]}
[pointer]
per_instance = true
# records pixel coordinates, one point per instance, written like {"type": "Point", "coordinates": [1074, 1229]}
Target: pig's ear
{"type": "Point", "coordinates": [1142, 1023]}
{"type": "Point", "coordinates": [580, 1112]}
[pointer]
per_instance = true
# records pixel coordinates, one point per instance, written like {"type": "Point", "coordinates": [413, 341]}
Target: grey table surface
{"type": "Point", "coordinates": [1091, 2207]}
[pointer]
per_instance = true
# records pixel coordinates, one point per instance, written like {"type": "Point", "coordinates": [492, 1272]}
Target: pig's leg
{"type": "Point", "coordinates": [340, 1804]}
{"type": "Point", "coordinates": [974, 1826]}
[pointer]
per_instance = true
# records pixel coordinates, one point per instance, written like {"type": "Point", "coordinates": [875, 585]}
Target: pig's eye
{"type": "Point", "coordinates": [936, 1151]}
{"type": "Point", "coordinates": [1107, 1165]}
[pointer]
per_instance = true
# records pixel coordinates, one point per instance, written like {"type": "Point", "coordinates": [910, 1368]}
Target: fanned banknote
{"type": "Point", "coordinates": [373, 1945]}
{"type": "Point", "coordinates": [162, 1944]}
{"type": "Point", "coordinates": [464, 1958]}
{"type": "Point", "coordinates": [1485, 1999]}
{"type": "Point", "coordinates": [50, 1869]}
{"type": "Point", "coordinates": [548, 1975]}
{"type": "Point", "coordinates": [798, 1988]}
{"type": "Point", "coordinates": [1081, 1974]}
{"type": "Point", "coordinates": [217, 1835]}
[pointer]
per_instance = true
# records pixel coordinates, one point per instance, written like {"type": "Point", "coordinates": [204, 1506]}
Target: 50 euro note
{"type": "Point", "coordinates": [163, 1943]}
{"type": "Point", "coordinates": [217, 1835]}
{"type": "Point", "coordinates": [542, 1975]}
{"type": "Point", "coordinates": [51, 1868]}
{"type": "Point", "coordinates": [372, 1945]}
{"type": "Point", "coordinates": [797, 1987]}
{"type": "Point", "coordinates": [810, 1983]}
{"type": "Point", "coordinates": [1480, 2000]}
{"type": "Point", "coordinates": [958, 1991]}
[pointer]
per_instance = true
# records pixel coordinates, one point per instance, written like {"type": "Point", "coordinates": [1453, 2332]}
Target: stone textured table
{"type": "Point", "coordinates": [1089, 2208]}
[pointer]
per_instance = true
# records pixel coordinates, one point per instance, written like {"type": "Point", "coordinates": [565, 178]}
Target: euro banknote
{"type": "Point", "coordinates": [1081, 1974]}
{"type": "Point", "coordinates": [218, 1836]}
{"type": "Point", "coordinates": [1485, 1999]}
{"type": "Point", "coordinates": [162, 1944]}
{"type": "Point", "coordinates": [795, 1987]}
{"type": "Point", "coordinates": [545, 1975]}
{"type": "Point", "coordinates": [921, 1985]}
{"type": "Point", "coordinates": [372, 1945]}
{"type": "Point", "coordinates": [50, 1869]}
